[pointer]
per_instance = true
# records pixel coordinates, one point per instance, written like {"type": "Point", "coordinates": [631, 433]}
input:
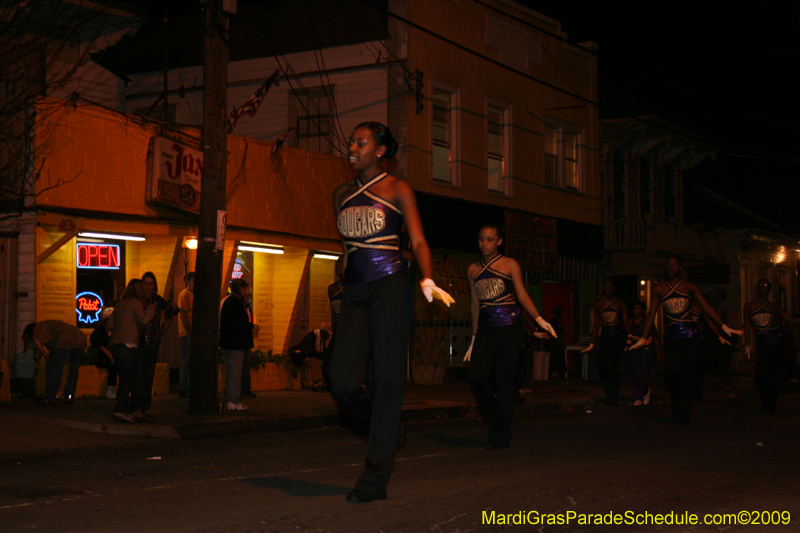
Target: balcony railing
{"type": "Point", "coordinates": [626, 235]}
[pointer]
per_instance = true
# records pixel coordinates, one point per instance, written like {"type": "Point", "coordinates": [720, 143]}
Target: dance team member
{"type": "Point", "coordinates": [497, 291]}
{"type": "Point", "coordinates": [680, 335]}
{"type": "Point", "coordinates": [764, 317]}
{"type": "Point", "coordinates": [639, 363]}
{"type": "Point", "coordinates": [377, 302]}
{"type": "Point", "coordinates": [611, 319]}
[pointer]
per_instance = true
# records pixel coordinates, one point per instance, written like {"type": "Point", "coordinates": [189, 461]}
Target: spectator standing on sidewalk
{"type": "Point", "coordinates": [100, 341]}
{"type": "Point", "coordinates": [129, 315]}
{"type": "Point", "coordinates": [59, 343]}
{"type": "Point", "coordinates": [150, 338]}
{"type": "Point", "coordinates": [235, 339]}
{"type": "Point", "coordinates": [185, 303]}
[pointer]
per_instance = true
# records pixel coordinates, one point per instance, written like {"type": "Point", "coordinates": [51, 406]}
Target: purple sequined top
{"type": "Point", "coordinates": [370, 227]}
{"type": "Point", "coordinates": [677, 308]}
{"type": "Point", "coordinates": [767, 325]}
{"type": "Point", "coordinates": [498, 307]}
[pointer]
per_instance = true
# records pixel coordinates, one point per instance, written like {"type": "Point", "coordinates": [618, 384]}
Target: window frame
{"type": "Point", "coordinates": [455, 135]}
{"type": "Point", "coordinates": [321, 91]}
{"type": "Point", "coordinates": [561, 129]}
{"type": "Point", "coordinates": [506, 179]}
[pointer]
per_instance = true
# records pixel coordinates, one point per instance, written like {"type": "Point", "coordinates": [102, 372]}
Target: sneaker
{"type": "Point", "coordinates": [366, 492]}
{"type": "Point", "coordinates": [646, 398]}
{"type": "Point", "coordinates": [138, 415]}
{"type": "Point", "coordinates": [637, 402]}
{"type": "Point", "coordinates": [124, 417]}
{"type": "Point", "coordinates": [236, 406]}
{"type": "Point", "coordinates": [111, 393]}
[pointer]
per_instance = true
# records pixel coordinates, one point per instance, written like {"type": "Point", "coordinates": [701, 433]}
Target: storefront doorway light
{"type": "Point", "coordinates": [116, 236]}
{"type": "Point", "coordinates": [190, 243]}
{"type": "Point", "coordinates": [324, 255]}
{"type": "Point", "coordinates": [260, 247]}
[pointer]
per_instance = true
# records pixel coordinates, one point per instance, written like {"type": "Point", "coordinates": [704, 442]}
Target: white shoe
{"type": "Point", "coordinates": [236, 406]}
{"type": "Point", "coordinates": [125, 417]}
{"type": "Point", "coordinates": [111, 394]}
{"type": "Point", "coordinates": [646, 398]}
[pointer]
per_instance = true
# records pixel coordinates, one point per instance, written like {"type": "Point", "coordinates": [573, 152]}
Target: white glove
{"type": "Point", "coordinates": [546, 326]}
{"type": "Point", "coordinates": [468, 355]}
{"type": "Point", "coordinates": [431, 291]}
{"type": "Point", "coordinates": [729, 331]}
{"type": "Point", "coordinates": [588, 349]}
{"type": "Point", "coordinates": [724, 341]}
{"type": "Point", "coordinates": [638, 344]}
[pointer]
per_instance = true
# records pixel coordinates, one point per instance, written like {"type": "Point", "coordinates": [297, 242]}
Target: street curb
{"type": "Point", "coordinates": [132, 430]}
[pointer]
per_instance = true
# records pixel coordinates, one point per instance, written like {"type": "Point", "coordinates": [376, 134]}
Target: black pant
{"type": "Point", "coordinates": [680, 367]}
{"type": "Point", "coordinates": [125, 361]}
{"type": "Point", "coordinates": [769, 371]}
{"type": "Point", "coordinates": [492, 373]}
{"type": "Point", "coordinates": [374, 316]}
{"type": "Point", "coordinates": [143, 375]}
{"type": "Point", "coordinates": [609, 362]}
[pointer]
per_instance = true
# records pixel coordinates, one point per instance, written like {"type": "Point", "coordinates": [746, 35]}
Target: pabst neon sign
{"type": "Point", "coordinates": [237, 270]}
{"type": "Point", "coordinates": [88, 306]}
{"type": "Point", "coordinates": [101, 256]}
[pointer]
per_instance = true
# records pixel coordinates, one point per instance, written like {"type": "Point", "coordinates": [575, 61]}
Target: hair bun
{"type": "Point", "coordinates": [392, 149]}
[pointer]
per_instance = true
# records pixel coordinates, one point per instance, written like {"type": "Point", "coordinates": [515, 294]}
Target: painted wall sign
{"type": "Point", "coordinates": [98, 255]}
{"type": "Point", "coordinates": [531, 240]}
{"type": "Point", "coordinates": [88, 306]}
{"type": "Point", "coordinates": [174, 173]}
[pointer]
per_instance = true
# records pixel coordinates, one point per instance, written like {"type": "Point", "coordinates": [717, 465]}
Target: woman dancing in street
{"type": "Point", "coordinates": [377, 302]}
{"type": "Point", "coordinates": [764, 318]}
{"type": "Point", "coordinates": [497, 292]}
{"type": "Point", "coordinates": [680, 335]}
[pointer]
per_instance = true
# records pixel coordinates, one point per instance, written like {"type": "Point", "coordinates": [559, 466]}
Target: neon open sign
{"type": "Point", "coordinates": [102, 256]}
{"type": "Point", "coordinates": [88, 306]}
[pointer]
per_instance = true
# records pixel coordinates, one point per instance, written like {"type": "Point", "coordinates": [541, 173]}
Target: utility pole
{"type": "Point", "coordinates": [204, 398]}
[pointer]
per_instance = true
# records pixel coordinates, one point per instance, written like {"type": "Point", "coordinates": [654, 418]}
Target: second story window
{"type": "Point", "coordinates": [619, 186]}
{"type": "Point", "coordinates": [497, 149]}
{"type": "Point", "coordinates": [313, 119]}
{"type": "Point", "coordinates": [563, 157]}
{"type": "Point", "coordinates": [444, 131]}
{"type": "Point", "coordinates": [645, 187]}
{"type": "Point", "coordinates": [670, 194]}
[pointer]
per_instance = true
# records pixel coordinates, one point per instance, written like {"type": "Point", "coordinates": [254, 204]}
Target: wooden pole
{"type": "Point", "coordinates": [208, 271]}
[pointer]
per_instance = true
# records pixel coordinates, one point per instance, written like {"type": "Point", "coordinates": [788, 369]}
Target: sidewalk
{"type": "Point", "coordinates": [31, 428]}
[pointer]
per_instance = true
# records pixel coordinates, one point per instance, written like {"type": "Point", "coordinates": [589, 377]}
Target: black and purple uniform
{"type": "Point", "coordinates": [769, 359]}
{"type": "Point", "coordinates": [681, 345]}
{"type": "Point", "coordinates": [612, 347]}
{"type": "Point", "coordinates": [493, 363]}
{"type": "Point", "coordinates": [376, 313]}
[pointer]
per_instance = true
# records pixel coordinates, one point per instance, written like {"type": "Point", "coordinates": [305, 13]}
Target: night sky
{"type": "Point", "coordinates": [722, 70]}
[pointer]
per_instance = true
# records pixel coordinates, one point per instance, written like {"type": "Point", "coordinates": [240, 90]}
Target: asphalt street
{"type": "Point", "coordinates": [732, 458]}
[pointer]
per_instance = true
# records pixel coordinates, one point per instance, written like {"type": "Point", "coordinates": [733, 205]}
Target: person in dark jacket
{"type": "Point", "coordinates": [235, 339]}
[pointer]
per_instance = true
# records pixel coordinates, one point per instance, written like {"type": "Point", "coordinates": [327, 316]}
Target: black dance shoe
{"type": "Point", "coordinates": [366, 492]}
